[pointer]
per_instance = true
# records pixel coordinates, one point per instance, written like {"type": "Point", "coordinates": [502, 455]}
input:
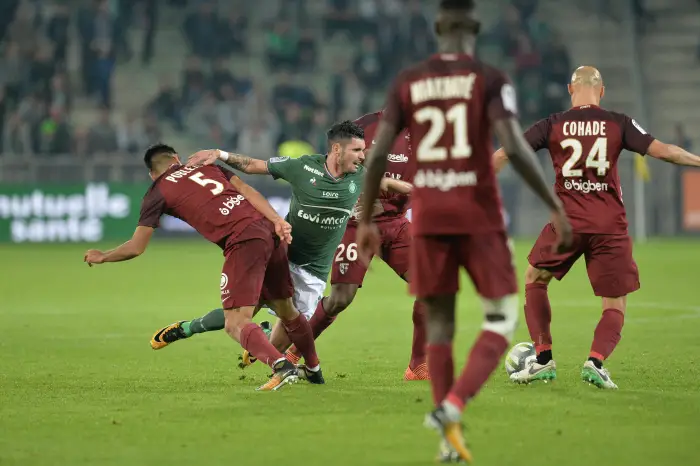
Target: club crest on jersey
{"type": "Point", "coordinates": [343, 267]}
{"type": "Point", "coordinates": [352, 188]}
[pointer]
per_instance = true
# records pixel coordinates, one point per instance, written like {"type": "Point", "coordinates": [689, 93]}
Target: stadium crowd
{"type": "Point", "coordinates": [219, 103]}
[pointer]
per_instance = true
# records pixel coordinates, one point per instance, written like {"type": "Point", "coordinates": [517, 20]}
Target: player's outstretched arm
{"type": "Point", "coordinates": [673, 154]}
{"type": "Point", "coordinates": [395, 186]}
{"type": "Point", "coordinates": [238, 161]}
{"type": "Point", "coordinates": [525, 162]}
{"type": "Point", "coordinates": [257, 200]}
{"type": "Point", "coordinates": [129, 250]}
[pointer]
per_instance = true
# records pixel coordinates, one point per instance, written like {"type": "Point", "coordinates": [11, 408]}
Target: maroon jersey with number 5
{"type": "Point", "coordinates": [448, 103]}
{"type": "Point", "coordinates": [585, 145]}
{"type": "Point", "coordinates": [203, 197]}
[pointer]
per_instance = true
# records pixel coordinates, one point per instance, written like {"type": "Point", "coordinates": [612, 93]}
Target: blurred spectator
{"type": "Point", "coordinates": [307, 51]}
{"type": "Point", "coordinates": [539, 29]}
{"type": "Point", "coordinates": [233, 34]}
{"type": "Point", "coordinates": [321, 123]}
{"type": "Point", "coordinates": [102, 136]}
{"type": "Point", "coordinates": [193, 80]}
{"type": "Point", "coordinates": [368, 63]}
{"type": "Point", "coordinates": [526, 8]}
{"type": "Point", "coordinates": [340, 18]}
{"type": "Point", "coordinates": [3, 115]}
{"type": "Point", "coordinates": [150, 19]}
{"type": "Point", "coordinates": [138, 131]}
{"type": "Point", "coordinates": [531, 98]}
{"type": "Point", "coordinates": [166, 104]}
{"type": "Point", "coordinates": [16, 137]}
{"type": "Point", "coordinates": [527, 59]}
{"type": "Point", "coordinates": [221, 76]}
{"type": "Point", "coordinates": [355, 98]}
{"type": "Point", "coordinates": [337, 87]}
{"type": "Point", "coordinates": [293, 125]}
{"type": "Point", "coordinates": [57, 31]}
{"type": "Point", "coordinates": [13, 71]}
{"type": "Point", "coordinates": [286, 92]}
{"type": "Point", "coordinates": [203, 119]}
{"type": "Point", "coordinates": [557, 61]}
{"type": "Point", "coordinates": [282, 46]}
{"type": "Point", "coordinates": [55, 134]}
{"type": "Point", "coordinates": [201, 29]}
{"type": "Point", "coordinates": [59, 93]}
{"type": "Point", "coordinates": [257, 139]}
{"type": "Point", "coordinates": [229, 117]}
{"type": "Point", "coordinates": [41, 70]}
{"type": "Point", "coordinates": [99, 32]}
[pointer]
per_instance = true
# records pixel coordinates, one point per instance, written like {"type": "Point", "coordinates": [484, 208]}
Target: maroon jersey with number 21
{"type": "Point", "coordinates": [203, 197]}
{"type": "Point", "coordinates": [447, 103]}
{"type": "Point", "coordinates": [585, 144]}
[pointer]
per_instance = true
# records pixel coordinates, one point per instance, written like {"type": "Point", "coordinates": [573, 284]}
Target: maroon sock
{"type": "Point", "coordinates": [320, 321]}
{"type": "Point", "coordinates": [538, 315]}
{"type": "Point", "coordinates": [254, 340]}
{"type": "Point", "coordinates": [441, 370]}
{"type": "Point", "coordinates": [419, 335]}
{"type": "Point", "coordinates": [607, 334]}
{"type": "Point", "coordinates": [299, 332]}
{"type": "Point", "coordinates": [483, 360]}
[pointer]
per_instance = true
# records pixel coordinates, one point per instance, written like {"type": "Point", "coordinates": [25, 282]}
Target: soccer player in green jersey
{"type": "Point", "coordinates": [325, 190]}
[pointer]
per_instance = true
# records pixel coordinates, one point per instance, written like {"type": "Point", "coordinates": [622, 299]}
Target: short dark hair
{"type": "Point", "coordinates": [156, 150]}
{"type": "Point", "coordinates": [457, 4]}
{"type": "Point", "coordinates": [344, 130]}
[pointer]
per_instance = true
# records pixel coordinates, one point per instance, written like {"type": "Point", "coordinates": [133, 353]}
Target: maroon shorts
{"type": "Point", "coordinates": [611, 268]}
{"type": "Point", "coordinates": [396, 241]}
{"type": "Point", "coordinates": [255, 268]}
{"type": "Point", "coordinates": [436, 260]}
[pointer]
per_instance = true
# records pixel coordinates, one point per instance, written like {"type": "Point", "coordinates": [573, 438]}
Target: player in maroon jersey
{"type": "Point", "coordinates": [585, 143]}
{"type": "Point", "coordinates": [238, 219]}
{"type": "Point", "coordinates": [450, 103]}
{"type": "Point", "coordinates": [348, 272]}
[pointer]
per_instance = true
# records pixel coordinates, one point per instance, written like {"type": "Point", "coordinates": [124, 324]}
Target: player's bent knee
{"type": "Point", "coordinates": [535, 275]}
{"type": "Point", "coordinates": [501, 315]}
{"type": "Point", "coordinates": [340, 299]}
{"type": "Point", "coordinates": [619, 303]}
{"type": "Point", "coordinates": [236, 319]}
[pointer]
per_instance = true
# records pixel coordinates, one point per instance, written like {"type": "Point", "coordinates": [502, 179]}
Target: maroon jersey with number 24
{"type": "Point", "coordinates": [585, 144]}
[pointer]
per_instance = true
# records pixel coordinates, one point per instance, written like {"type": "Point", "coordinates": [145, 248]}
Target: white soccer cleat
{"type": "Point", "coordinates": [598, 377]}
{"type": "Point", "coordinates": [534, 371]}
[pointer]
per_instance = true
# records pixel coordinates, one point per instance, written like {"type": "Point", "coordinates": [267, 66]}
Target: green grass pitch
{"type": "Point", "coordinates": [79, 384]}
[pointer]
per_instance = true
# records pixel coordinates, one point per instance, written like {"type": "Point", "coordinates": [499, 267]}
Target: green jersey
{"type": "Point", "coordinates": [320, 208]}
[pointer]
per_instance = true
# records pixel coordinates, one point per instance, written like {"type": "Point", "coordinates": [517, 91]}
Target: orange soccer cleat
{"type": "Point", "coordinates": [420, 372]}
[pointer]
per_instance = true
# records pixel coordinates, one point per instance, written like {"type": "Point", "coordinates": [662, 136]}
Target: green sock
{"type": "Point", "coordinates": [210, 322]}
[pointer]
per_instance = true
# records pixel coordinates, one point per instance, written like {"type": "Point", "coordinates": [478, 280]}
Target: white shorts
{"type": "Point", "coordinates": [308, 290]}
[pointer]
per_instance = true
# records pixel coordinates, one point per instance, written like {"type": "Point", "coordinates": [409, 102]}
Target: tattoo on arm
{"type": "Point", "coordinates": [239, 161]}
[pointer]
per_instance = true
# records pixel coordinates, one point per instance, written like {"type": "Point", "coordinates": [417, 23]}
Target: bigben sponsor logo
{"type": "Point", "coordinates": [585, 186]}
{"type": "Point", "coordinates": [92, 212]}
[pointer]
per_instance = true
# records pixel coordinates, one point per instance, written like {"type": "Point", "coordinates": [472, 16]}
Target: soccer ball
{"type": "Point", "coordinates": [519, 356]}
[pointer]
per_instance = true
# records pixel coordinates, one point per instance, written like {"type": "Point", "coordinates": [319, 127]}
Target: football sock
{"type": "Point", "coordinates": [607, 334]}
{"type": "Point", "coordinates": [214, 320]}
{"type": "Point", "coordinates": [320, 321]}
{"type": "Point", "coordinates": [441, 370]}
{"type": "Point", "coordinates": [299, 331]}
{"type": "Point", "coordinates": [419, 335]}
{"type": "Point", "coordinates": [483, 360]}
{"type": "Point", "coordinates": [596, 362]}
{"type": "Point", "coordinates": [254, 340]}
{"type": "Point", "coordinates": [544, 357]}
{"type": "Point", "coordinates": [538, 315]}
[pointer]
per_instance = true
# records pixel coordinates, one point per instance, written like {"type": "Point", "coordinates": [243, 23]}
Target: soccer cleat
{"type": "Point", "coordinates": [419, 373]}
{"type": "Point", "coordinates": [598, 377]}
{"type": "Point", "coordinates": [246, 359]}
{"type": "Point", "coordinates": [291, 356]}
{"type": "Point", "coordinates": [284, 372]}
{"type": "Point", "coordinates": [534, 371]}
{"type": "Point", "coordinates": [446, 454]}
{"type": "Point", "coordinates": [315, 377]}
{"type": "Point", "coordinates": [167, 335]}
{"type": "Point", "coordinates": [451, 431]}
